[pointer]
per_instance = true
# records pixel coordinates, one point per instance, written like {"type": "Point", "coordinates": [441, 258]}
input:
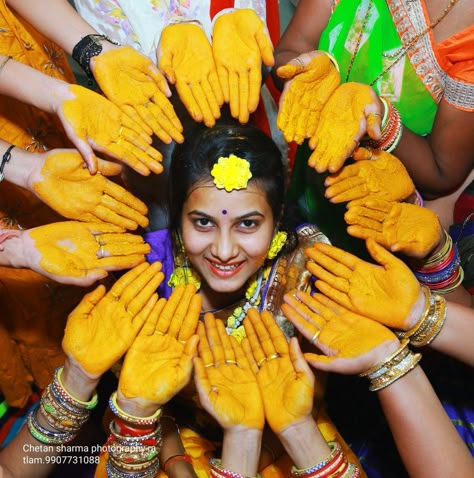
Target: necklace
{"type": "Point", "coordinates": [405, 48]}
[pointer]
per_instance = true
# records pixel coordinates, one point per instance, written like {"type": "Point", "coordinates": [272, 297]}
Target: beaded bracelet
{"type": "Point", "coordinates": [89, 405]}
{"type": "Point", "coordinates": [44, 435]}
{"type": "Point", "coordinates": [114, 472]}
{"type": "Point", "coordinates": [88, 47]}
{"type": "Point", "coordinates": [218, 472]}
{"type": "Point", "coordinates": [151, 420]}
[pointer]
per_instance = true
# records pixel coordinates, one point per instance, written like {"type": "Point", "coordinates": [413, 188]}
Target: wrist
{"type": "Point", "coordinates": [304, 443]}
{"type": "Point", "coordinates": [11, 248]}
{"type": "Point", "coordinates": [136, 407]}
{"type": "Point", "coordinates": [248, 441]}
{"type": "Point", "coordinates": [77, 381]}
{"type": "Point", "coordinates": [16, 164]}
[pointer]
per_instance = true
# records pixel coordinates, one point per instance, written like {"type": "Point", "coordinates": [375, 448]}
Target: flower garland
{"type": "Point", "coordinates": [184, 274]}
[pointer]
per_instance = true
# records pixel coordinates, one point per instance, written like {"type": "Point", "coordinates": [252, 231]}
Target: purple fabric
{"type": "Point", "coordinates": [162, 251]}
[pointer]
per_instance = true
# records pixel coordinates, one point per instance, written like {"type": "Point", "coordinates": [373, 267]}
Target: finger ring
{"type": "Point", "coordinates": [261, 361]}
{"type": "Point", "coordinates": [233, 362]}
{"type": "Point", "coordinates": [209, 365]}
{"type": "Point", "coordinates": [182, 342]}
{"type": "Point", "coordinates": [377, 115]}
{"type": "Point", "coordinates": [299, 62]}
{"type": "Point", "coordinates": [101, 251]}
{"type": "Point", "coordinates": [315, 336]}
{"type": "Point", "coordinates": [147, 104]}
{"type": "Point", "coordinates": [273, 356]}
{"type": "Point", "coordinates": [121, 131]}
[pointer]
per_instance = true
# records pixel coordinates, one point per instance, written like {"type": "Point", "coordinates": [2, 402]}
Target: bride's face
{"type": "Point", "coordinates": [226, 235]}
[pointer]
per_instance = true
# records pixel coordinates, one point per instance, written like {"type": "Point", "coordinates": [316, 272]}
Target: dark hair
{"type": "Point", "coordinates": [193, 160]}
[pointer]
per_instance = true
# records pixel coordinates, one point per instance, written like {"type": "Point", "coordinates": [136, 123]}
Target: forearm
{"type": "Point", "coordinates": [302, 33]}
{"type": "Point", "coordinates": [425, 437]}
{"type": "Point", "coordinates": [241, 450]}
{"type": "Point", "coordinates": [457, 334]}
{"type": "Point", "coordinates": [35, 88]}
{"type": "Point", "coordinates": [56, 19]}
{"type": "Point", "coordinates": [304, 443]}
{"type": "Point", "coordinates": [26, 457]}
{"type": "Point", "coordinates": [440, 162]}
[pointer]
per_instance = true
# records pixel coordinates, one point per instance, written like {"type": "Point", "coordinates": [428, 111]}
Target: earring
{"type": "Point", "coordinates": [277, 244]}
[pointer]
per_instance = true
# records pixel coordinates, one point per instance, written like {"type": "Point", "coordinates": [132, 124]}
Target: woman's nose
{"type": "Point", "coordinates": [224, 248]}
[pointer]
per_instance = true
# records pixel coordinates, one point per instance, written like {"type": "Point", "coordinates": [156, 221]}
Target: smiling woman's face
{"type": "Point", "coordinates": [226, 236]}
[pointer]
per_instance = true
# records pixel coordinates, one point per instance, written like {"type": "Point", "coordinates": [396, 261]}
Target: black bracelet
{"type": "Point", "coordinates": [6, 157]}
{"type": "Point", "coordinates": [86, 48]}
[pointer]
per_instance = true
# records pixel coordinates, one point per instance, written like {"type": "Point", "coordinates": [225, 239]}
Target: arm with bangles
{"type": "Point", "coordinates": [353, 344]}
{"type": "Point", "coordinates": [113, 318]}
{"type": "Point", "coordinates": [438, 163]}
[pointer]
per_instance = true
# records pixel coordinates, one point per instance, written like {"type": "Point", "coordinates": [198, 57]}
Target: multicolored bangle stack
{"type": "Point", "coordinates": [133, 444]}
{"type": "Point", "coordinates": [430, 323]}
{"type": "Point", "coordinates": [392, 129]}
{"type": "Point", "coordinates": [391, 369]}
{"type": "Point", "coordinates": [63, 412]}
{"type": "Point", "coordinates": [334, 465]}
{"type": "Point", "coordinates": [441, 272]}
{"type": "Point", "coordinates": [218, 472]}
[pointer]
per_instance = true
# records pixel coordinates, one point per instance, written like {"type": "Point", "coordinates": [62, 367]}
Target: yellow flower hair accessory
{"type": "Point", "coordinates": [231, 173]}
{"type": "Point", "coordinates": [277, 243]}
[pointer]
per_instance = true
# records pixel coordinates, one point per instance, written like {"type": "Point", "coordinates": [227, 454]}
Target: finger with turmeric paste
{"type": "Point", "coordinates": [240, 44]}
{"type": "Point", "coordinates": [342, 124]}
{"type": "Point", "coordinates": [159, 363]}
{"type": "Point", "coordinates": [306, 91]}
{"type": "Point", "coordinates": [92, 121]}
{"type": "Point", "coordinates": [350, 343]}
{"type": "Point", "coordinates": [399, 227]}
{"type": "Point", "coordinates": [80, 253]}
{"type": "Point", "coordinates": [131, 81]}
{"type": "Point", "coordinates": [103, 326]}
{"type": "Point", "coordinates": [387, 292]}
{"type": "Point", "coordinates": [185, 56]}
{"type": "Point", "coordinates": [60, 180]}
{"type": "Point", "coordinates": [385, 177]}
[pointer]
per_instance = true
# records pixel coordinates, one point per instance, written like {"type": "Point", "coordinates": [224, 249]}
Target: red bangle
{"type": "Point", "coordinates": [172, 458]}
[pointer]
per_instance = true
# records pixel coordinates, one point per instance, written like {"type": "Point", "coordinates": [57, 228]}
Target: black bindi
{"type": "Point", "coordinates": [224, 211]}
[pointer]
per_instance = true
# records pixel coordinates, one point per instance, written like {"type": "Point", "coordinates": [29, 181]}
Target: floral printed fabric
{"type": "Point", "coordinates": [139, 23]}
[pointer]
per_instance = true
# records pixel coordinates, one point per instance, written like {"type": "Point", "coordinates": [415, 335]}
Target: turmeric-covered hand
{"type": "Point", "coordinates": [160, 361]}
{"type": "Point", "coordinates": [386, 292]}
{"type": "Point", "coordinates": [103, 326]}
{"type": "Point", "coordinates": [61, 181]}
{"type": "Point", "coordinates": [285, 380]}
{"type": "Point", "coordinates": [342, 124]}
{"type": "Point", "coordinates": [225, 381]}
{"type": "Point", "coordinates": [134, 83]}
{"type": "Point", "coordinates": [385, 177]}
{"type": "Point", "coordinates": [81, 253]}
{"type": "Point", "coordinates": [240, 44]}
{"type": "Point", "coordinates": [400, 227]}
{"type": "Point", "coordinates": [185, 57]}
{"type": "Point", "coordinates": [351, 343]}
{"type": "Point", "coordinates": [305, 93]}
{"type": "Point", "coordinates": [90, 120]}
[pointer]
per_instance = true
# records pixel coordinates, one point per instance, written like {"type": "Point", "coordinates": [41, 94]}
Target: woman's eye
{"type": "Point", "coordinates": [248, 223]}
{"type": "Point", "coordinates": [202, 222]}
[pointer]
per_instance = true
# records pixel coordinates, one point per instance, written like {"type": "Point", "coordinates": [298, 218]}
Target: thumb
{"type": "Point", "coordinates": [108, 168]}
{"type": "Point", "coordinates": [289, 71]}
{"type": "Point", "coordinates": [319, 362]}
{"type": "Point", "coordinates": [265, 47]}
{"type": "Point", "coordinates": [84, 149]}
{"type": "Point", "coordinates": [165, 64]}
{"type": "Point", "coordinates": [380, 254]}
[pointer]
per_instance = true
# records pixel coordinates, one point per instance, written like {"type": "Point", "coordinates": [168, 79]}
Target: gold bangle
{"type": "Point", "coordinates": [393, 359]}
{"type": "Point", "coordinates": [429, 302]}
{"type": "Point", "coordinates": [333, 60]}
{"type": "Point", "coordinates": [386, 111]}
{"type": "Point", "coordinates": [394, 373]}
{"type": "Point", "coordinates": [432, 325]}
